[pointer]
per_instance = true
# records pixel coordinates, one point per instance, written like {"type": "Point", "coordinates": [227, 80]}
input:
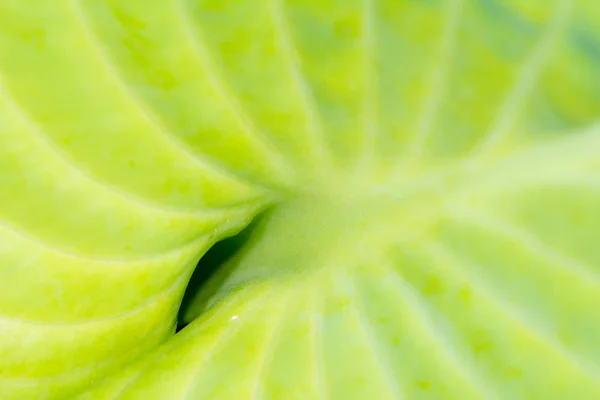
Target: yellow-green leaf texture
{"type": "Point", "coordinates": [431, 170]}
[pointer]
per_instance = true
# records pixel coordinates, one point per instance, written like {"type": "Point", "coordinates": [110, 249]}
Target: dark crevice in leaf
{"type": "Point", "coordinates": [206, 272]}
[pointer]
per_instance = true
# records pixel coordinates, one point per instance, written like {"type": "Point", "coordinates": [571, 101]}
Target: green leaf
{"type": "Point", "coordinates": [431, 169]}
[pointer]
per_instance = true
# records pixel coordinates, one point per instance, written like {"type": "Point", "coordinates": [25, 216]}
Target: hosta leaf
{"type": "Point", "coordinates": [432, 170]}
